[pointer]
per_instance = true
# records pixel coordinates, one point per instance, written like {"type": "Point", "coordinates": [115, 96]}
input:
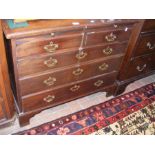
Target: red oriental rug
{"type": "Point", "coordinates": [129, 114]}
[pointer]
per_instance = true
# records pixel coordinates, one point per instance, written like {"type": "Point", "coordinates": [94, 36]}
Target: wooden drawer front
{"type": "Point", "coordinates": [53, 79]}
{"type": "Point", "coordinates": [149, 25]}
{"type": "Point", "coordinates": [100, 37]}
{"type": "Point", "coordinates": [58, 96]}
{"type": "Point", "coordinates": [101, 51]}
{"type": "Point", "coordinates": [1, 110]}
{"type": "Point", "coordinates": [39, 64]}
{"type": "Point", "coordinates": [146, 45]}
{"type": "Point", "coordinates": [139, 66]}
{"type": "Point", "coordinates": [47, 44]}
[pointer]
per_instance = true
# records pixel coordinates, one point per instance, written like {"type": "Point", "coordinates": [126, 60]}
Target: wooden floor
{"type": "Point", "coordinates": [71, 107]}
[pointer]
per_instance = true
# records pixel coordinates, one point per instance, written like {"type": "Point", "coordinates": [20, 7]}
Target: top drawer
{"type": "Point", "coordinates": [109, 36]}
{"type": "Point", "coordinates": [149, 25]}
{"type": "Point", "coordinates": [47, 44]}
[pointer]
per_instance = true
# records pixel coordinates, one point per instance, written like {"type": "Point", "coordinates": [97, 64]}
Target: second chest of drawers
{"type": "Point", "coordinates": [142, 60]}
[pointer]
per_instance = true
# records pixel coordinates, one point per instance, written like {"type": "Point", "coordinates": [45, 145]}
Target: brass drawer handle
{"type": "Point", "coordinates": [81, 55]}
{"type": "Point", "coordinates": [51, 47]}
{"type": "Point", "coordinates": [49, 98]}
{"type": "Point", "coordinates": [78, 71]}
{"type": "Point", "coordinates": [50, 62]}
{"type": "Point", "coordinates": [111, 37]}
{"type": "Point", "coordinates": [150, 46]}
{"type": "Point", "coordinates": [50, 81]}
{"type": "Point", "coordinates": [98, 83]}
{"type": "Point", "coordinates": [140, 69]}
{"type": "Point", "coordinates": [107, 50]}
{"type": "Point", "coordinates": [104, 67]}
{"type": "Point", "coordinates": [75, 88]}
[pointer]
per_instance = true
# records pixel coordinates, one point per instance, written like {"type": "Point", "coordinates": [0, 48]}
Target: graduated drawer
{"type": "Point", "coordinates": [38, 64]}
{"type": "Point", "coordinates": [96, 52]}
{"type": "Point", "coordinates": [146, 44]}
{"type": "Point", "coordinates": [102, 36]}
{"type": "Point", "coordinates": [47, 44]}
{"type": "Point", "coordinates": [58, 96]}
{"type": "Point", "coordinates": [139, 66]}
{"type": "Point", "coordinates": [149, 25]}
{"type": "Point", "coordinates": [62, 77]}
{"type": "Point", "coordinates": [35, 64]}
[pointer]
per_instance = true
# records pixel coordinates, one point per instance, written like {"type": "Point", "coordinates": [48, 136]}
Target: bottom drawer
{"type": "Point", "coordinates": [139, 66]}
{"type": "Point", "coordinates": [65, 94]}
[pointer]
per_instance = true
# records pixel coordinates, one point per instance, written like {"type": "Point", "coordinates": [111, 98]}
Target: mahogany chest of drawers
{"type": "Point", "coordinates": [55, 61]}
{"type": "Point", "coordinates": [140, 60]}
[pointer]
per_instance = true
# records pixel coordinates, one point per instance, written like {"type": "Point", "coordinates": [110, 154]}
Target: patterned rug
{"type": "Point", "coordinates": [129, 114]}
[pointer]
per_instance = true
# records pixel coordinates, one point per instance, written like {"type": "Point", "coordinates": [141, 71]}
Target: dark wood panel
{"type": "Point", "coordinates": [102, 36]}
{"type": "Point", "coordinates": [146, 44]}
{"type": "Point", "coordinates": [58, 96]}
{"type": "Point", "coordinates": [149, 25]}
{"type": "Point", "coordinates": [48, 44]}
{"type": "Point", "coordinates": [53, 79]}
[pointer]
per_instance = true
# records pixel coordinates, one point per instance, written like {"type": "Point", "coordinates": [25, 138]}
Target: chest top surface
{"type": "Point", "coordinates": [39, 27]}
